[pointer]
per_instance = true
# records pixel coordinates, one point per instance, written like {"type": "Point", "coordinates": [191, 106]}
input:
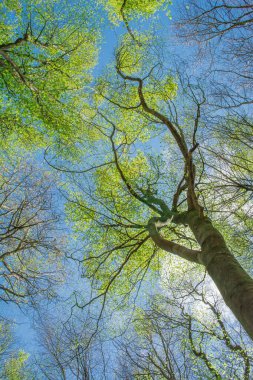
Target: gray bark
{"type": "Point", "coordinates": [233, 282]}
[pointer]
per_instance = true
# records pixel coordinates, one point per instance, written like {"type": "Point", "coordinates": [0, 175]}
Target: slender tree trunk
{"type": "Point", "coordinates": [234, 284]}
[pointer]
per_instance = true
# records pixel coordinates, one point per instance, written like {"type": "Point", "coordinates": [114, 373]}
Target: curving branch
{"type": "Point", "coordinates": [127, 23]}
{"type": "Point", "coordinates": [169, 246]}
{"type": "Point", "coordinates": [179, 138]}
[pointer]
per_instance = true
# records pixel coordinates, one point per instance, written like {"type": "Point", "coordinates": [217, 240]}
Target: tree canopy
{"type": "Point", "coordinates": [47, 51]}
{"type": "Point", "coordinates": [126, 188]}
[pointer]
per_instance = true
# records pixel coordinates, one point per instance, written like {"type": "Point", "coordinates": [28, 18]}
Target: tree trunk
{"type": "Point", "coordinates": [234, 284]}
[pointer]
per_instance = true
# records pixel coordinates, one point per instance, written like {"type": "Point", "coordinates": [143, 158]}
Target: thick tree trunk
{"type": "Point", "coordinates": [234, 284]}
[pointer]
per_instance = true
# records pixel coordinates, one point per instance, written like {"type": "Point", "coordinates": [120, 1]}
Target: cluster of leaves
{"type": "Point", "coordinates": [133, 9]}
{"type": "Point", "coordinates": [14, 365]}
{"type": "Point", "coordinates": [46, 60]}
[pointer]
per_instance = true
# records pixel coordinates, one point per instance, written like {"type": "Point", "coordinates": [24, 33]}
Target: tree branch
{"type": "Point", "coordinates": [177, 249]}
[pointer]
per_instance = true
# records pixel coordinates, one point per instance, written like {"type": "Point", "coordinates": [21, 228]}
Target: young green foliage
{"type": "Point", "coordinates": [47, 52]}
{"type": "Point", "coordinates": [133, 9]}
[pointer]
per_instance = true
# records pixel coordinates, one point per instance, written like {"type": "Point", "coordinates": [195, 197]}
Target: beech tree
{"type": "Point", "coordinates": [222, 32]}
{"type": "Point", "coordinates": [136, 202]}
{"type": "Point", "coordinates": [65, 348]}
{"type": "Point", "coordinates": [30, 244]}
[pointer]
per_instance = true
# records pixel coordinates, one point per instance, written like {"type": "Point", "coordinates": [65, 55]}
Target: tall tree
{"type": "Point", "coordinates": [144, 195]}
{"type": "Point", "coordinates": [65, 351]}
{"type": "Point", "coordinates": [30, 243]}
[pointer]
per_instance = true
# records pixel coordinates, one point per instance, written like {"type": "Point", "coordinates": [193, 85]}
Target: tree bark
{"type": "Point", "coordinates": [234, 284]}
